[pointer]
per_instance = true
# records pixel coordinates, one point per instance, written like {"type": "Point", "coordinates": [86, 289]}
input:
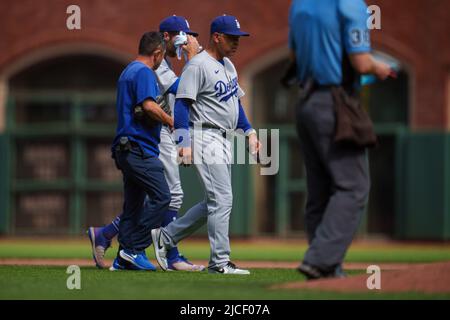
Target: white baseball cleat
{"type": "Point", "coordinates": [160, 249]}
{"type": "Point", "coordinates": [229, 268]}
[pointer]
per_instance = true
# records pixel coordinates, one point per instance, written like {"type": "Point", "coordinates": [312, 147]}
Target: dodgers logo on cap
{"type": "Point", "coordinates": [227, 25]}
{"type": "Point", "coordinates": [176, 24]}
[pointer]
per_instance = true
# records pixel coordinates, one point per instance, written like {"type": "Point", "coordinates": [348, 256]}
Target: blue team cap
{"type": "Point", "coordinates": [176, 24]}
{"type": "Point", "coordinates": [227, 25]}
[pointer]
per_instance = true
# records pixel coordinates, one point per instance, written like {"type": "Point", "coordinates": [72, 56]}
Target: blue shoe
{"type": "Point", "coordinates": [99, 246]}
{"type": "Point", "coordinates": [122, 265]}
{"type": "Point", "coordinates": [116, 266]}
{"type": "Point", "coordinates": [140, 260]}
{"type": "Point", "coordinates": [180, 263]}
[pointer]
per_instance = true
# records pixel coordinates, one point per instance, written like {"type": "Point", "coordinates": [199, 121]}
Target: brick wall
{"type": "Point", "coordinates": [415, 31]}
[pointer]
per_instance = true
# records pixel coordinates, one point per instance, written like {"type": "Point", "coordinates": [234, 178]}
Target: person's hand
{"type": "Point", "coordinates": [254, 144]}
{"type": "Point", "coordinates": [383, 71]}
{"type": "Point", "coordinates": [192, 47]}
{"type": "Point", "coordinates": [185, 155]}
{"type": "Point", "coordinates": [171, 124]}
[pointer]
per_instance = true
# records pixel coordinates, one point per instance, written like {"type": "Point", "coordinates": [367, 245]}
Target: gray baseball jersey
{"type": "Point", "coordinates": [215, 90]}
{"type": "Point", "coordinates": [166, 78]}
{"type": "Point", "coordinates": [167, 147]}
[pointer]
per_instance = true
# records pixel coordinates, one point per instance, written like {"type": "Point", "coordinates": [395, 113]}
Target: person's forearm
{"type": "Point", "coordinates": [155, 112]}
{"type": "Point", "coordinates": [243, 122]}
{"type": "Point", "coordinates": [181, 123]}
{"type": "Point", "coordinates": [363, 62]}
{"type": "Point", "coordinates": [181, 114]}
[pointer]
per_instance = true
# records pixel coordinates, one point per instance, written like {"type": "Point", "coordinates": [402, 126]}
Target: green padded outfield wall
{"type": "Point", "coordinates": [4, 184]}
{"type": "Point", "coordinates": [242, 215]}
{"type": "Point", "coordinates": [80, 185]}
{"type": "Point", "coordinates": [425, 210]}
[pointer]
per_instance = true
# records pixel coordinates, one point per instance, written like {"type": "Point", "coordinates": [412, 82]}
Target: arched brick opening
{"type": "Point", "coordinates": [272, 106]}
{"type": "Point", "coordinates": [59, 121]}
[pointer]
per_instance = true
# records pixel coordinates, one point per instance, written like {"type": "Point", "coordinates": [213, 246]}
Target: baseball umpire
{"type": "Point", "coordinates": [208, 96]}
{"type": "Point", "coordinates": [331, 47]}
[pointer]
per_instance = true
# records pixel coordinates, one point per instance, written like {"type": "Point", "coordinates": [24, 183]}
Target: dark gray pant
{"type": "Point", "coordinates": [337, 180]}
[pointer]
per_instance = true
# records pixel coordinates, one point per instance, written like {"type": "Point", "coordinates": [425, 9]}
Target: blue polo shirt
{"type": "Point", "coordinates": [322, 31]}
{"type": "Point", "coordinates": [136, 84]}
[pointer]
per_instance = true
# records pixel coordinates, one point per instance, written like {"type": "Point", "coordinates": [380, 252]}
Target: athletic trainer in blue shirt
{"type": "Point", "coordinates": [135, 150]}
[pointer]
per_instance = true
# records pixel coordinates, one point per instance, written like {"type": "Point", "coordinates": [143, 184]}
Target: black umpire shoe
{"type": "Point", "coordinates": [339, 272]}
{"type": "Point", "coordinates": [314, 273]}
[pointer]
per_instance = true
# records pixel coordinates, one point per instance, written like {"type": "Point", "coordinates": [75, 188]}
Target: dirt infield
{"type": "Point", "coordinates": [243, 264]}
{"type": "Point", "coordinates": [424, 278]}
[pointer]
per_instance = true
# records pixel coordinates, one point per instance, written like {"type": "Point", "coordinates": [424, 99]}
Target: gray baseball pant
{"type": "Point", "coordinates": [168, 156]}
{"type": "Point", "coordinates": [215, 210]}
{"type": "Point", "coordinates": [338, 183]}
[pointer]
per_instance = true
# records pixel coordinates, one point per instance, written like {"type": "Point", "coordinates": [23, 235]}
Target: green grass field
{"type": "Point", "coordinates": [44, 282]}
{"type": "Point", "coordinates": [241, 250]}
{"type": "Point", "coordinates": [28, 282]}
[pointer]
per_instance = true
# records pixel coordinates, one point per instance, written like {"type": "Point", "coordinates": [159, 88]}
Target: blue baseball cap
{"type": "Point", "coordinates": [227, 25]}
{"type": "Point", "coordinates": [176, 24]}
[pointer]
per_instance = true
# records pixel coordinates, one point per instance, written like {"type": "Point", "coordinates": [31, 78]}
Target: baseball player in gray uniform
{"type": "Point", "coordinates": [168, 83]}
{"type": "Point", "coordinates": [208, 104]}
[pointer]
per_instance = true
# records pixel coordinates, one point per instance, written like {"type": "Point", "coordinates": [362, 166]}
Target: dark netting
{"type": "Point", "coordinates": [100, 165]}
{"type": "Point", "coordinates": [27, 112]}
{"type": "Point", "coordinates": [43, 160]}
{"type": "Point", "coordinates": [102, 207]}
{"type": "Point", "coordinates": [99, 113]}
{"type": "Point", "coordinates": [42, 212]}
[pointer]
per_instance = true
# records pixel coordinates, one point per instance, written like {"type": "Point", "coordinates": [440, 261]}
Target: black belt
{"type": "Point", "coordinates": [310, 85]}
{"type": "Point", "coordinates": [211, 126]}
{"type": "Point", "coordinates": [127, 146]}
{"type": "Point", "coordinates": [313, 85]}
{"type": "Point", "coordinates": [323, 87]}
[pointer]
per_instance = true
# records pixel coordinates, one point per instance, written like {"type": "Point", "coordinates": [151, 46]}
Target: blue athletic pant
{"type": "Point", "coordinates": [141, 176]}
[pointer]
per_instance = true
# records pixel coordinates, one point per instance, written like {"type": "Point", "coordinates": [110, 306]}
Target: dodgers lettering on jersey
{"type": "Point", "coordinates": [226, 90]}
{"type": "Point", "coordinates": [215, 90]}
